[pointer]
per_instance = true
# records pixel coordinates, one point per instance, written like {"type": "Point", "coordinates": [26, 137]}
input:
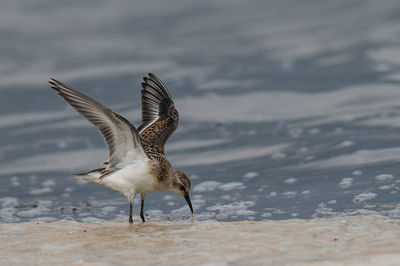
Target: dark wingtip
{"type": "Point", "coordinates": [53, 81]}
{"type": "Point", "coordinates": [54, 84]}
{"type": "Point", "coordinates": [57, 86]}
{"type": "Point", "coordinates": [149, 76]}
{"type": "Point", "coordinates": [152, 76]}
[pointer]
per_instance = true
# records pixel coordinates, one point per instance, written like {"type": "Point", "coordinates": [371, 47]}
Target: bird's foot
{"type": "Point", "coordinates": [130, 219]}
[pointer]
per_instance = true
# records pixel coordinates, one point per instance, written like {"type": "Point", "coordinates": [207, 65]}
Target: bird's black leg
{"type": "Point", "coordinates": [142, 206]}
{"type": "Point", "coordinates": [130, 210]}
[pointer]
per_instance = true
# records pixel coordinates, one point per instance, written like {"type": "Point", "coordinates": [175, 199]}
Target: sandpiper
{"type": "Point", "coordinates": [137, 163]}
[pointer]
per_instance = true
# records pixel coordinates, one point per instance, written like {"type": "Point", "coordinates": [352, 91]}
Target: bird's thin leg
{"type": "Point", "coordinates": [142, 206]}
{"type": "Point", "coordinates": [131, 198]}
{"type": "Point", "coordinates": [130, 212]}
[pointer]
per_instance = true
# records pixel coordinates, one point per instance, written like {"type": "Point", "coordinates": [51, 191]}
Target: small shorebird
{"type": "Point", "coordinates": [136, 163]}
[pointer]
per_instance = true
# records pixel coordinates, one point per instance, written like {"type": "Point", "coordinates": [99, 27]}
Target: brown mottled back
{"type": "Point", "coordinates": [161, 168]}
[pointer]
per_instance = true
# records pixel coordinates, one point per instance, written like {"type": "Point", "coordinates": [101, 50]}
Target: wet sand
{"type": "Point", "coordinates": [366, 240]}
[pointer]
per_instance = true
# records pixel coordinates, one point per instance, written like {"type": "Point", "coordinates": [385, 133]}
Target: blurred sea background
{"type": "Point", "coordinates": [287, 109]}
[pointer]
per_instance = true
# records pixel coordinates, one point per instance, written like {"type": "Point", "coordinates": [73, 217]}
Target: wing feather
{"type": "Point", "coordinates": [120, 135]}
{"type": "Point", "coordinates": [159, 116]}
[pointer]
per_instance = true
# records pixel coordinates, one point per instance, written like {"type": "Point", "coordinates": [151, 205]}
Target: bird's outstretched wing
{"type": "Point", "coordinates": [159, 116]}
{"type": "Point", "coordinates": [121, 137]}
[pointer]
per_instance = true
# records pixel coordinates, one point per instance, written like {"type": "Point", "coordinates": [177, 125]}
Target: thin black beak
{"type": "Point", "coordinates": [187, 198]}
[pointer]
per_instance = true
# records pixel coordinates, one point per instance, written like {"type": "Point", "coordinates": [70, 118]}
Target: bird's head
{"type": "Point", "coordinates": [181, 185]}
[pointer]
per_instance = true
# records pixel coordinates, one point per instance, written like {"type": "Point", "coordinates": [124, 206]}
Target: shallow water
{"type": "Point", "coordinates": [286, 110]}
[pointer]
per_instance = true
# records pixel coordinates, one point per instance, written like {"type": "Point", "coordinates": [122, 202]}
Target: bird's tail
{"type": "Point", "coordinates": [95, 175]}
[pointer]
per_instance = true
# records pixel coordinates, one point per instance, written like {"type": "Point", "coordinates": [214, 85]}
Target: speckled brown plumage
{"type": "Point", "coordinates": [159, 116]}
{"type": "Point", "coordinates": [162, 169]}
{"type": "Point", "coordinates": [137, 162]}
{"type": "Point", "coordinates": [159, 121]}
{"type": "Point", "coordinates": [154, 136]}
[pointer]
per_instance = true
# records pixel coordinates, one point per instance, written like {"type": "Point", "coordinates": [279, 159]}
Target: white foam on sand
{"type": "Point", "coordinates": [168, 197]}
{"type": "Point", "coordinates": [290, 194]}
{"type": "Point", "coordinates": [15, 181]}
{"type": "Point", "coordinates": [290, 180]}
{"type": "Point", "coordinates": [7, 211]}
{"type": "Point", "coordinates": [357, 172]}
{"type": "Point", "coordinates": [250, 175]}
{"type": "Point", "coordinates": [346, 144]}
{"type": "Point", "coordinates": [42, 208]}
{"type": "Point", "coordinates": [92, 220]}
{"type": "Point", "coordinates": [324, 211]}
{"type": "Point", "coordinates": [49, 183]}
{"type": "Point", "coordinates": [207, 186]}
{"type": "Point", "coordinates": [346, 182]}
{"type": "Point", "coordinates": [232, 186]}
{"type": "Point", "coordinates": [224, 211]}
{"type": "Point", "coordinates": [364, 196]}
{"type": "Point", "coordinates": [8, 202]}
{"type": "Point", "coordinates": [153, 213]}
{"type": "Point", "coordinates": [44, 220]}
{"type": "Point", "coordinates": [266, 215]}
{"type": "Point", "coordinates": [39, 191]}
{"type": "Point", "coordinates": [384, 177]}
{"type": "Point", "coordinates": [197, 196]}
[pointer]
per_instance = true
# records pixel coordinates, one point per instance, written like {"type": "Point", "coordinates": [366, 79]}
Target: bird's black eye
{"type": "Point", "coordinates": [182, 188]}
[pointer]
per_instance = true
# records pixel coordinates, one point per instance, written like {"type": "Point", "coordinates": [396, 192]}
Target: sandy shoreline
{"type": "Point", "coordinates": [366, 240]}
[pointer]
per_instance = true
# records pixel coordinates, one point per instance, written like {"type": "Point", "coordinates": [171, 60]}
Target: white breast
{"type": "Point", "coordinates": [131, 179]}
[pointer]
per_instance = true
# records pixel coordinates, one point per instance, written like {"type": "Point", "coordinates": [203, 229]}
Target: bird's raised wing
{"type": "Point", "coordinates": [121, 137]}
{"type": "Point", "coordinates": [159, 116]}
